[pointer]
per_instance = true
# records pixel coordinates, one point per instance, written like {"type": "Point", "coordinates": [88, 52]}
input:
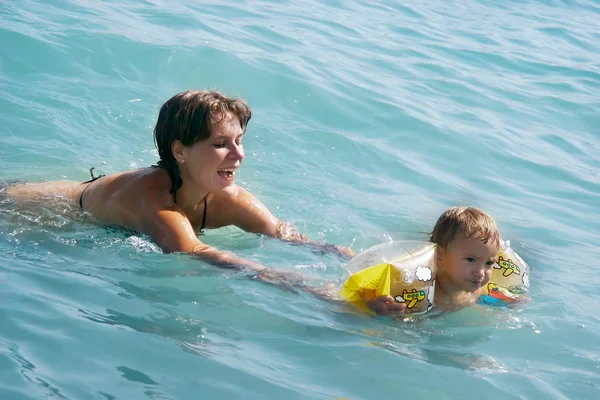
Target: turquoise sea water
{"type": "Point", "coordinates": [370, 118]}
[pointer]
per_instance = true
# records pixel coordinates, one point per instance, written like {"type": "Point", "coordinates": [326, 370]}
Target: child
{"type": "Point", "coordinates": [467, 242]}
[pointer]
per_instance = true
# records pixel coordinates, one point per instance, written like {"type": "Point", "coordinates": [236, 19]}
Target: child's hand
{"type": "Point", "coordinates": [386, 305]}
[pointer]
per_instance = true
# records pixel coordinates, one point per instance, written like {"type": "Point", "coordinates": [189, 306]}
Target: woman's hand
{"type": "Point", "coordinates": [346, 252]}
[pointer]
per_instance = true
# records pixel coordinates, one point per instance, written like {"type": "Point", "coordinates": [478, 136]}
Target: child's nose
{"type": "Point", "coordinates": [479, 272]}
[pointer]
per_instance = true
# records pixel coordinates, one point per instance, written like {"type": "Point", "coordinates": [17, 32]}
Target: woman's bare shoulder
{"type": "Point", "coordinates": [151, 186]}
{"type": "Point", "coordinates": [151, 178]}
{"type": "Point", "coordinates": [129, 198]}
{"type": "Point", "coordinates": [232, 194]}
{"type": "Point", "coordinates": [234, 198]}
{"type": "Point", "coordinates": [237, 206]}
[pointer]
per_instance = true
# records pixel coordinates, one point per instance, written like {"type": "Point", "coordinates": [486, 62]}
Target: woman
{"type": "Point", "coordinates": [199, 139]}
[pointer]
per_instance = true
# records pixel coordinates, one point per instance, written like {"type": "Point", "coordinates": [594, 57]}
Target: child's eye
{"type": "Point", "coordinates": [470, 259]}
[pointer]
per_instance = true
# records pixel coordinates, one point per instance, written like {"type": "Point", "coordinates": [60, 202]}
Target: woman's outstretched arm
{"type": "Point", "coordinates": [246, 212]}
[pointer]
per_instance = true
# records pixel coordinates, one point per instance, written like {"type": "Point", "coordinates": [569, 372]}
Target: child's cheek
{"type": "Point", "coordinates": [488, 276]}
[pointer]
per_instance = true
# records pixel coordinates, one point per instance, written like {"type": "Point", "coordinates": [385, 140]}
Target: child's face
{"type": "Point", "coordinates": [466, 264]}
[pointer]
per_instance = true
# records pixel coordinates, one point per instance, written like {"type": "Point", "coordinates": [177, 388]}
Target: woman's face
{"type": "Point", "coordinates": [212, 163]}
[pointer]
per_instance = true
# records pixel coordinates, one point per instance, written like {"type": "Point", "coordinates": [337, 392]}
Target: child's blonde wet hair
{"type": "Point", "coordinates": [470, 221]}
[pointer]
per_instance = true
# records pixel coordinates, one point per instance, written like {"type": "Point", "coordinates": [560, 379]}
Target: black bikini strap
{"type": "Point", "coordinates": [85, 188]}
{"type": "Point", "coordinates": [93, 177]}
{"type": "Point", "coordinates": [203, 216]}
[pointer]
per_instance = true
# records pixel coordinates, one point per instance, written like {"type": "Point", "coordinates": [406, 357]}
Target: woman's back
{"type": "Point", "coordinates": [119, 199]}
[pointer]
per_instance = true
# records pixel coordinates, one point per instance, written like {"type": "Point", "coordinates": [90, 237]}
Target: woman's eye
{"type": "Point", "coordinates": [219, 145]}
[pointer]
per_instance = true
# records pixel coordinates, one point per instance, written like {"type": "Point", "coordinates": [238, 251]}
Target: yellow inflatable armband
{"type": "Point", "coordinates": [510, 279]}
{"type": "Point", "coordinates": [404, 270]}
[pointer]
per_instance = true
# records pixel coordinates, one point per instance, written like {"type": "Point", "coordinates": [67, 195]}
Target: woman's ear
{"type": "Point", "coordinates": [177, 148]}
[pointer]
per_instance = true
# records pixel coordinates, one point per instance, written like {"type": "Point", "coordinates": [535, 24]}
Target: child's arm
{"type": "Point", "coordinates": [382, 305]}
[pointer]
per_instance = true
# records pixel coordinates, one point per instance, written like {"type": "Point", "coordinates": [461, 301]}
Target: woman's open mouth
{"type": "Point", "coordinates": [227, 173]}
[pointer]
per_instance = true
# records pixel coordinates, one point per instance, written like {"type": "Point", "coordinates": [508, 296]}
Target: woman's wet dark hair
{"type": "Point", "coordinates": [190, 117]}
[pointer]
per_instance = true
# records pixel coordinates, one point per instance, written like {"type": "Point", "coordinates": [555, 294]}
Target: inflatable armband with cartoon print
{"type": "Point", "coordinates": [509, 283]}
{"type": "Point", "coordinates": [404, 270]}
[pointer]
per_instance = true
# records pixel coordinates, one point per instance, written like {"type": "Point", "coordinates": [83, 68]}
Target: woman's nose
{"type": "Point", "coordinates": [237, 152]}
